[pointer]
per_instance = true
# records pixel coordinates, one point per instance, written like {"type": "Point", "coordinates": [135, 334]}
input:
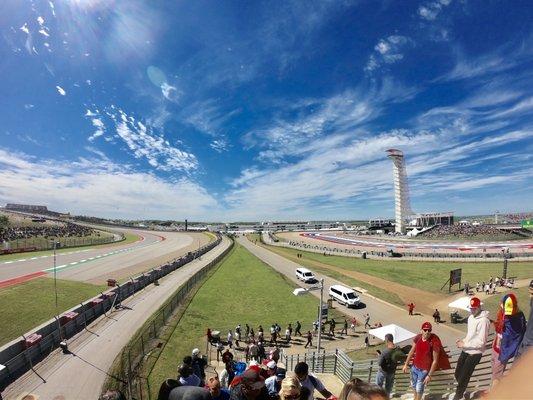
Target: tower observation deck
{"type": "Point", "coordinates": [401, 190]}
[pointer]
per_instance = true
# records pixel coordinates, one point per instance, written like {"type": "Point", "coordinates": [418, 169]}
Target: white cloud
{"type": "Point", "coordinates": [61, 91]}
{"type": "Point", "coordinates": [430, 11]}
{"type": "Point", "coordinates": [170, 92]}
{"type": "Point", "coordinates": [387, 51]}
{"type": "Point", "coordinates": [77, 186]}
{"type": "Point", "coordinates": [219, 145]}
{"type": "Point", "coordinates": [143, 141]}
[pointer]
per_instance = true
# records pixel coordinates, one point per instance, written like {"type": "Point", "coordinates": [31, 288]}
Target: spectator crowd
{"type": "Point", "coordinates": [461, 231]}
{"type": "Point", "coordinates": [66, 229]}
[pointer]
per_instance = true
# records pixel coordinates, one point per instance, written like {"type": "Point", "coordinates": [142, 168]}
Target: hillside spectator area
{"type": "Point", "coordinates": [19, 228]}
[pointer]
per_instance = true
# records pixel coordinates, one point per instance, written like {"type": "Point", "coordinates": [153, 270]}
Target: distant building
{"type": "Point", "coordinates": [30, 208]}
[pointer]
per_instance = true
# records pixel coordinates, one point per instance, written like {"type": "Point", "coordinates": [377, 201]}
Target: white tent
{"type": "Point", "coordinates": [462, 303]}
{"type": "Point", "coordinates": [398, 333]}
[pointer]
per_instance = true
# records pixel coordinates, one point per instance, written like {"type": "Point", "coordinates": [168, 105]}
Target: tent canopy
{"type": "Point", "coordinates": [398, 333]}
{"type": "Point", "coordinates": [462, 303]}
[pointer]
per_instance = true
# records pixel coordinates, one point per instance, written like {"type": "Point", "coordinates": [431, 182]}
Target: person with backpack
{"type": "Point", "coordinates": [388, 361]}
{"type": "Point", "coordinates": [428, 356]}
{"type": "Point", "coordinates": [309, 381]}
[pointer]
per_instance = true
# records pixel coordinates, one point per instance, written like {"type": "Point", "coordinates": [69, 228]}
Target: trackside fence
{"type": "Point", "coordinates": [20, 355]}
{"type": "Point", "coordinates": [137, 357]}
{"type": "Point", "coordinates": [340, 364]}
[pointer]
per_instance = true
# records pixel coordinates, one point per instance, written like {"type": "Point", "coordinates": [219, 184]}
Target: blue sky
{"type": "Point", "coordinates": [261, 110]}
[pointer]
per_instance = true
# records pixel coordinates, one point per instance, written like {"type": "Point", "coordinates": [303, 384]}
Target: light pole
{"type": "Point", "coordinates": [302, 291]}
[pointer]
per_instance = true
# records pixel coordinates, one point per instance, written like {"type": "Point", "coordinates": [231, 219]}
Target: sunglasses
{"type": "Point", "coordinates": [426, 330]}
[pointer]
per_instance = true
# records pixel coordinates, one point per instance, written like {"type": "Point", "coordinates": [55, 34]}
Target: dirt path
{"type": "Point", "coordinates": [423, 300]}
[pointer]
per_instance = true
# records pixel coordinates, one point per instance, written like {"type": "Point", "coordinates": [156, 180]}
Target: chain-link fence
{"type": "Point", "coordinates": [132, 367]}
{"type": "Point", "coordinates": [43, 243]}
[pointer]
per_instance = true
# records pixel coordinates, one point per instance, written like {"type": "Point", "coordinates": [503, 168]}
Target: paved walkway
{"type": "Point", "coordinates": [80, 376]}
{"type": "Point", "coordinates": [379, 310]}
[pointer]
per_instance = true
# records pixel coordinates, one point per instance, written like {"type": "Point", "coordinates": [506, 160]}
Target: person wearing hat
{"type": "Point", "coordinates": [198, 365]}
{"type": "Point", "coordinates": [250, 387]}
{"type": "Point", "coordinates": [425, 355]}
{"type": "Point", "coordinates": [273, 383]}
{"type": "Point", "coordinates": [527, 340]}
{"type": "Point", "coordinates": [473, 346]}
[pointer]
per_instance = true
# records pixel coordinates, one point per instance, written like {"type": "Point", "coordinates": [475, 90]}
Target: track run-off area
{"type": "Point", "coordinates": [97, 264]}
{"type": "Point", "coordinates": [410, 244]}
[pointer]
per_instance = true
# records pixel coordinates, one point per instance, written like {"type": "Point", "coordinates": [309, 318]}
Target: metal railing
{"type": "Point", "coordinates": [341, 365]}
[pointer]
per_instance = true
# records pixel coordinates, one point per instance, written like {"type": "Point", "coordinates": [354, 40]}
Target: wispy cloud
{"type": "Point", "coordinates": [142, 140]}
{"type": "Point", "coordinates": [77, 186]}
{"type": "Point", "coordinates": [430, 10]}
{"type": "Point", "coordinates": [387, 51]}
{"type": "Point", "coordinates": [219, 145]}
{"type": "Point", "coordinates": [61, 91]}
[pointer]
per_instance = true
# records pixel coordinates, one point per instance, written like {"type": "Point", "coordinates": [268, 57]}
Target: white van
{"type": "Point", "coordinates": [303, 274]}
{"type": "Point", "coordinates": [344, 295]}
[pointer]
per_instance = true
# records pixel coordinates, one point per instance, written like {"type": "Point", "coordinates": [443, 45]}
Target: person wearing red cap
{"type": "Point", "coordinates": [473, 346]}
{"type": "Point", "coordinates": [426, 348]}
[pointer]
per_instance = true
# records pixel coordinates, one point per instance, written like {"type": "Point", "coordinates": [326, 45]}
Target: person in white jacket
{"type": "Point", "coordinates": [473, 346]}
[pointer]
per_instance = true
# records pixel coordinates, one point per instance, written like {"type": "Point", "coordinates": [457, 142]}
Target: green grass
{"type": "Point", "coordinates": [129, 238]}
{"type": "Point", "coordinates": [25, 306]}
{"type": "Point", "coordinates": [425, 275]}
{"type": "Point", "coordinates": [242, 290]}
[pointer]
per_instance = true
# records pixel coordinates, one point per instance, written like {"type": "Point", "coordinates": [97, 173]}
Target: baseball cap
{"type": "Point", "coordinates": [281, 373]}
{"type": "Point", "coordinates": [426, 326]}
{"type": "Point", "coordinates": [475, 302]}
{"type": "Point", "coordinates": [195, 352]}
{"type": "Point", "coordinates": [271, 364]}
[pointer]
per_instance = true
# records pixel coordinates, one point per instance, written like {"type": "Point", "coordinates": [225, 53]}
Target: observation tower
{"type": "Point", "coordinates": [401, 190]}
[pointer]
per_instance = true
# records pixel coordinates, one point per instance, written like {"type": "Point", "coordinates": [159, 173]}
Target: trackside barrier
{"type": "Point", "coordinates": [133, 357]}
{"type": "Point", "coordinates": [442, 384]}
{"type": "Point", "coordinates": [18, 358]}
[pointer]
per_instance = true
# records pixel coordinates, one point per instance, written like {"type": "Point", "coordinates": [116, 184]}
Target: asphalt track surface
{"type": "Point", "coordinates": [81, 374]}
{"type": "Point", "coordinates": [414, 245]}
{"type": "Point", "coordinates": [97, 264]}
{"type": "Point", "coordinates": [379, 310]}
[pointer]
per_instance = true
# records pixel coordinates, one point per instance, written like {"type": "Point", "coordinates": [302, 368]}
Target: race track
{"type": "Point", "coordinates": [350, 241]}
{"type": "Point", "coordinates": [98, 264]}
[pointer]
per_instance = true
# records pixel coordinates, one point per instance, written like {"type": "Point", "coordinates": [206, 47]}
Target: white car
{"type": "Point", "coordinates": [305, 275]}
{"type": "Point", "coordinates": [344, 295]}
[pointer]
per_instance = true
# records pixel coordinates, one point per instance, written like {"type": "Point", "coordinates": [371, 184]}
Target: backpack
{"type": "Point", "coordinates": [387, 364]}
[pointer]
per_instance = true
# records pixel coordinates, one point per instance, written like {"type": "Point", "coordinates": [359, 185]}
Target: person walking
{"type": "Point", "coordinates": [309, 340]}
{"type": "Point", "coordinates": [345, 327]}
{"type": "Point", "coordinates": [367, 341]}
{"type": "Point", "coordinates": [411, 308]}
{"type": "Point", "coordinates": [230, 339]}
{"type": "Point", "coordinates": [367, 321]}
{"type": "Point", "coordinates": [301, 370]}
{"type": "Point", "coordinates": [436, 316]}
{"type": "Point", "coordinates": [527, 340]}
{"type": "Point", "coordinates": [298, 331]}
{"type": "Point", "coordinates": [353, 324]}
{"type": "Point", "coordinates": [332, 325]}
{"type": "Point", "coordinates": [387, 362]}
{"type": "Point", "coordinates": [425, 355]}
{"type": "Point", "coordinates": [473, 346]}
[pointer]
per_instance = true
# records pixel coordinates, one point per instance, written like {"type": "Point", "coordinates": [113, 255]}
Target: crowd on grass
{"type": "Point", "coordinates": [460, 231]}
{"type": "Point", "coordinates": [61, 230]}
{"type": "Point", "coordinates": [260, 375]}
{"type": "Point", "coordinates": [515, 218]}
